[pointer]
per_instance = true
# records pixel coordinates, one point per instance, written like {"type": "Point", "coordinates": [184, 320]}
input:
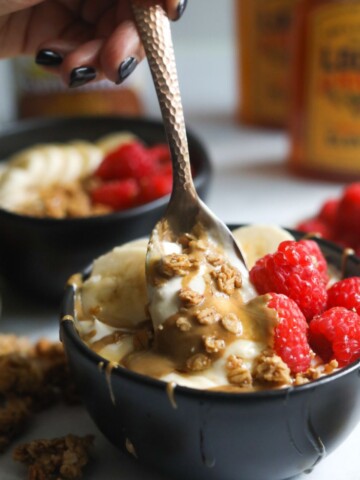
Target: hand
{"type": "Point", "coordinates": [82, 40]}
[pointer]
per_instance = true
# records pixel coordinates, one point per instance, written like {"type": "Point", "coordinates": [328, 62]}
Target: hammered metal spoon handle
{"type": "Point", "coordinates": [154, 29]}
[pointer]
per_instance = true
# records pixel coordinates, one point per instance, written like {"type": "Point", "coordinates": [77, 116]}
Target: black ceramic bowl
{"type": "Point", "coordinates": [38, 255]}
{"type": "Point", "coordinates": [267, 435]}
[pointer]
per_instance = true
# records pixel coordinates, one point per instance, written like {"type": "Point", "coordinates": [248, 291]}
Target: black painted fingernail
{"type": "Point", "coordinates": [81, 75]}
{"type": "Point", "coordinates": [48, 58]}
{"type": "Point", "coordinates": [180, 9]}
{"type": "Point", "coordinates": [126, 68]}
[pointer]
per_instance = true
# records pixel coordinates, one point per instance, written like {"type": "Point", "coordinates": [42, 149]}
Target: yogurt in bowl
{"type": "Point", "coordinates": [243, 395]}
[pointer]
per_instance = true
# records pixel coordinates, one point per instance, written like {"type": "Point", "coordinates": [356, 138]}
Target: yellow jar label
{"type": "Point", "coordinates": [333, 89]}
{"type": "Point", "coordinates": [266, 62]}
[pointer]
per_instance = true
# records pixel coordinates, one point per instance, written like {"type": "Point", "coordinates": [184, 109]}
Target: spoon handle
{"type": "Point", "coordinates": [154, 29]}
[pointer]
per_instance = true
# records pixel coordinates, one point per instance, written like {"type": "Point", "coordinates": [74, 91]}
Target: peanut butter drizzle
{"type": "Point", "coordinates": [310, 235]}
{"type": "Point", "coordinates": [148, 362]}
{"type": "Point", "coordinates": [170, 391]}
{"type": "Point", "coordinates": [108, 369]}
{"type": "Point", "coordinates": [346, 253]}
{"type": "Point", "coordinates": [110, 339]}
{"type": "Point", "coordinates": [130, 447]}
{"type": "Point", "coordinates": [173, 347]}
{"type": "Point", "coordinates": [101, 366]}
{"type": "Point", "coordinates": [88, 336]}
{"type": "Point", "coordinates": [75, 280]}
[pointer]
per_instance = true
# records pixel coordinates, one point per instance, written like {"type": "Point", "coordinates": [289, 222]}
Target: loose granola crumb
{"type": "Point", "coordinates": [198, 362]}
{"type": "Point", "coordinates": [189, 297]}
{"type": "Point", "coordinates": [237, 372]}
{"type": "Point", "coordinates": [215, 259]}
{"type": "Point", "coordinates": [213, 344]}
{"type": "Point", "coordinates": [13, 344]}
{"type": "Point", "coordinates": [331, 367]}
{"type": "Point", "coordinates": [232, 324]}
{"type": "Point", "coordinates": [31, 379]}
{"type": "Point", "coordinates": [185, 239]}
{"type": "Point", "coordinates": [308, 376]}
{"type": "Point", "coordinates": [59, 458]}
{"type": "Point", "coordinates": [183, 324]}
{"type": "Point", "coordinates": [175, 264]}
{"type": "Point", "coordinates": [227, 279]}
{"type": "Point", "coordinates": [271, 368]}
{"type": "Point", "coordinates": [14, 415]}
{"type": "Point", "coordinates": [19, 375]}
{"type": "Point", "coordinates": [197, 245]}
{"type": "Point", "coordinates": [207, 316]}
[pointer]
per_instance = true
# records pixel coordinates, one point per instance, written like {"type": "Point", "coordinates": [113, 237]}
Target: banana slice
{"type": "Point", "coordinates": [118, 284]}
{"type": "Point", "coordinates": [114, 140]}
{"type": "Point", "coordinates": [91, 156]}
{"type": "Point", "coordinates": [258, 240]}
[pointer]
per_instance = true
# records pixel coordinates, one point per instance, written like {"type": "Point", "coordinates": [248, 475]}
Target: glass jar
{"type": "Point", "coordinates": [264, 30]}
{"type": "Point", "coordinates": [325, 111]}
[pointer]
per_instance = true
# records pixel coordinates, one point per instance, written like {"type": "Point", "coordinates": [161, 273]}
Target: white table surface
{"type": "Point", "coordinates": [251, 184]}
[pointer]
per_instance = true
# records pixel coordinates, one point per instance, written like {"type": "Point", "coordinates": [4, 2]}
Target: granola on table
{"type": "Point", "coordinates": [32, 377]}
{"type": "Point", "coordinates": [58, 459]}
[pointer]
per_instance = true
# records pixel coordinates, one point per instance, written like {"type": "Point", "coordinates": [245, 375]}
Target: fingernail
{"type": "Point", "coordinates": [180, 9]}
{"type": "Point", "coordinates": [48, 58]}
{"type": "Point", "coordinates": [81, 75]}
{"type": "Point", "coordinates": [126, 68]}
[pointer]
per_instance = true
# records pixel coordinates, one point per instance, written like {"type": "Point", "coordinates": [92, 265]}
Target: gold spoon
{"type": "Point", "coordinates": [185, 209]}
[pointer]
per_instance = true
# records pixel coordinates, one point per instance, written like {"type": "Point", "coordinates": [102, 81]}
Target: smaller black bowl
{"type": "Point", "coordinates": [38, 255]}
{"type": "Point", "coordinates": [267, 435]}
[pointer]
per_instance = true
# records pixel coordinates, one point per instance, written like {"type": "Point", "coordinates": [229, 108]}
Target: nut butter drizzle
{"type": "Point", "coordinates": [170, 391]}
{"type": "Point", "coordinates": [130, 447]}
{"type": "Point", "coordinates": [108, 368]}
{"type": "Point", "coordinates": [346, 253]}
{"type": "Point", "coordinates": [198, 334]}
{"type": "Point", "coordinates": [67, 318]}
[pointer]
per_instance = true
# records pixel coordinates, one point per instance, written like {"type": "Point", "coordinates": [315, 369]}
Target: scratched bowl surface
{"type": "Point", "coordinates": [38, 255]}
{"type": "Point", "coordinates": [203, 435]}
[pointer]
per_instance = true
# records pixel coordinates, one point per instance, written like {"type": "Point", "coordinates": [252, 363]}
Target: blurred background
{"type": "Point", "coordinates": [271, 87]}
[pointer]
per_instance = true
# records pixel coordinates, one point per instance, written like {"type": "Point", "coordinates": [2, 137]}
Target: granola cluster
{"type": "Point", "coordinates": [64, 201]}
{"type": "Point", "coordinates": [57, 459]}
{"type": "Point", "coordinates": [176, 264]}
{"type": "Point", "coordinates": [31, 379]}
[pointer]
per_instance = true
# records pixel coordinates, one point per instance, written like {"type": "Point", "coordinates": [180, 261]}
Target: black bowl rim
{"type": "Point", "coordinates": [25, 125]}
{"type": "Point", "coordinates": [69, 330]}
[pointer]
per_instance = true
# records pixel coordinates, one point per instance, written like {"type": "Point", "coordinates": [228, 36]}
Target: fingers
{"type": "Point", "coordinates": [112, 49]}
{"type": "Point", "coordinates": [121, 52]}
{"type": "Point", "coordinates": [51, 54]}
{"type": "Point", "coordinates": [82, 65]}
{"type": "Point", "coordinates": [175, 8]}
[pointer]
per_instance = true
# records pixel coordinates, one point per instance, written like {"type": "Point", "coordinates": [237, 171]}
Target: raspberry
{"type": "Point", "coordinates": [348, 218]}
{"type": "Point", "coordinates": [315, 225]}
{"type": "Point", "coordinates": [160, 153]}
{"type": "Point", "coordinates": [130, 160]}
{"type": "Point", "coordinates": [328, 211]}
{"type": "Point", "coordinates": [335, 334]}
{"type": "Point", "coordinates": [155, 187]}
{"type": "Point", "coordinates": [119, 195]}
{"type": "Point", "coordinates": [345, 293]}
{"type": "Point", "coordinates": [290, 334]}
{"type": "Point", "coordinates": [295, 270]}
{"type": "Point", "coordinates": [318, 258]}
